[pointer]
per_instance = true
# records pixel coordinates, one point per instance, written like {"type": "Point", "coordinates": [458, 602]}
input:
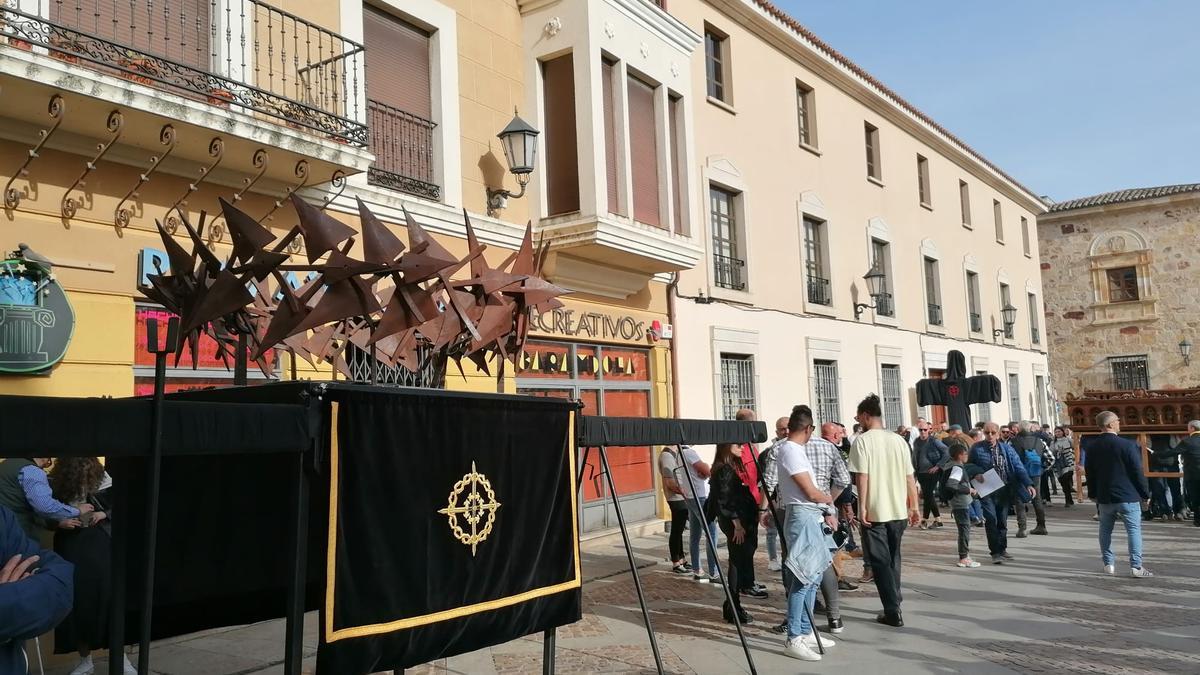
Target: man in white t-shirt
{"type": "Point", "coordinates": [668, 461]}
{"type": "Point", "coordinates": [699, 471]}
{"type": "Point", "coordinates": [886, 492]}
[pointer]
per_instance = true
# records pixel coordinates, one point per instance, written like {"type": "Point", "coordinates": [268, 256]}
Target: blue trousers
{"type": "Point", "coordinates": [995, 519]}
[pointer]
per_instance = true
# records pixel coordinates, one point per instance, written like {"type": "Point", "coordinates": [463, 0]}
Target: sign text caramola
{"type": "Point", "coordinates": [571, 323]}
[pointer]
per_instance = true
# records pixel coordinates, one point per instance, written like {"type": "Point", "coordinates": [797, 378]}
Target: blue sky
{"type": "Point", "coordinates": [1071, 98]}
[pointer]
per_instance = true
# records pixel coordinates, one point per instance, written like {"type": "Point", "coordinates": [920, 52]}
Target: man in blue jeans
{"type": "Point", "coordinates": [992, 453]}
{"type": "Point", "coordinates": [699, 471]}
{"type": "Point", "coordinates": [1116, 483]}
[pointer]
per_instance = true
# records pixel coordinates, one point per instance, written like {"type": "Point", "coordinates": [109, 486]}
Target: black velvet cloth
{"type": "Point", "coordinates": [636, 431]}
{"type": "Point", "coordinates": [958, 392]}
{"type": "Point", "coordinates": [398, 459]}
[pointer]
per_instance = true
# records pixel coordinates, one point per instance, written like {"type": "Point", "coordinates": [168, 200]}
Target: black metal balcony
{"type": "Point", "coordinates": [729, 272]}
{"type": "Point", "coordinates": [238, 54]}
{"type": "Point", "coordinates": [1035, 335]}
{"type": "Point", "coordinates": [976, 322]}
{"type": "Point", "coordinates": [935, 314]}
{"type": "Point", "coordinates": [403, 148]}
{"type": "Point", "coordinates": [819, 291]}
{"type": "Point", "coordinates": [885, 305]}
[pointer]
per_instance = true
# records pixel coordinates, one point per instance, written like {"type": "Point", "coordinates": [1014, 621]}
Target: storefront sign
{"type": "Point", "coordinates": [36, 319]}
{"type": "Point", "coordinates": [590, 325]}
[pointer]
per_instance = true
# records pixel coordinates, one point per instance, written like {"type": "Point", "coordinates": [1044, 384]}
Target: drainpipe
{"type": "Point", "coordinates": [671, 293]}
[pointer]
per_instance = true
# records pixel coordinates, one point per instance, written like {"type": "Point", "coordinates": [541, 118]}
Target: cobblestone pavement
{"type": "Point", "coordinates": [1051, 610]}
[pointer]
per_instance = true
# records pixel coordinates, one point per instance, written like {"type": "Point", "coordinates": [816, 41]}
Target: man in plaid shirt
{"type": "Point", "coordinates": [830, 475]}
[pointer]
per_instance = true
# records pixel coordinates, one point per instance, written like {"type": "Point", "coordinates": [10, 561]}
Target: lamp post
{"type": "Point", "coordinates": [876, 281]}
{"type": "Point", "coordinates": [1185, 350]}
{"type": "Point", "coordinates": [1009, 315]}
{"type": "Point", "coordinates": [519, 141]}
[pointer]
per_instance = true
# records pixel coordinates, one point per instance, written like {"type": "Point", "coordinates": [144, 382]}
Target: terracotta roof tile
{"type": "Point", "coordinates": [1121, 196]}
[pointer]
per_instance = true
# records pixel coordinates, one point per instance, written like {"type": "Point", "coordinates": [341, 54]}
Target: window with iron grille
{"type": "Point", "coordinates": [983, 410]}
{"type": "Point", "coordinates": [1039, 382]}
{"type": "Point", "coordinates": [1123, 284]}
{"type": "Point", "coordinates": [882, 258]}
{"type": "Point", "coordinates": [1014, 397]}
{"type": "Point", "coordinates": [366, 368]}
{"type": "Point", "coordinates": [891, 395]}
{"type": "Point", "coordinates": [728, 265]}
{"type": "Point", "coordinates": [737, 384]}
{"type": "Point", "coordinates": [819, 290]}
{"type": "Point", "coordinates": [825, 391]}
{"type": "Point", "coordinates": [1130, 372]}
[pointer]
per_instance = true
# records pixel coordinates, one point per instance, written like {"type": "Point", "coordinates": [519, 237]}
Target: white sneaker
{"type": "Point", "coordinates": [774, 565]}
{"type": "Point", "coordinates": [129, 669]}
{"type": "Point", "coordinates": [85, 667]}
{"type": "Point", "coordinates": [811, 641]}
{"type": "Point", "coordinates": [1140, 573]}
{"type": "Point", "coordinates": [797, 648]}
{"type": "Point", "coordinates": [1109, 569]}
{"type": "Point", "coordinates": [700, 578]}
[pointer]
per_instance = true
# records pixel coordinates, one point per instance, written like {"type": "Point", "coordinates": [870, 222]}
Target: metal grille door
{"type": "Point", "coordinates": [825, 391]}
{"type": "Point", "coordinates": [737, 384]}
{"type": "Point", "coordinates": [893, 408]}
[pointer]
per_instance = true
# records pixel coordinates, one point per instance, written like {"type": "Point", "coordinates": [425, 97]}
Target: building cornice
{"type": "Point", "coordinates": [1190, 198]}
{"type": "Point", "coordinates": [646, 14]}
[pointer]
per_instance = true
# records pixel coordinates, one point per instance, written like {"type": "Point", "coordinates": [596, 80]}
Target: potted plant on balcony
{"type": "Point", "coordinates": [132, 63]}
{"type": "Point", "coordinates": [219, 96]}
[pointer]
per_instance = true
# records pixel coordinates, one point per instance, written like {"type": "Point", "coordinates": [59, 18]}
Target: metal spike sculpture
{"type": "Point", "coordinates": [397, 303]}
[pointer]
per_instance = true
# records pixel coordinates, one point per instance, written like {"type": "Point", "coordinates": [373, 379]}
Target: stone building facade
{"type": "Point", "coordinates": [1120, 274]}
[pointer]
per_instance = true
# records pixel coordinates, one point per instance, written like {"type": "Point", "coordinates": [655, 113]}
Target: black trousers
{"type": "Point", "coordinates": [1192, 486]}
{"type": "Point", "coordinates": [929, 497]}
{"type": "Point", "coordinates": [741, 556]}
{"type": "Point", "coordinates": [1045, 487]}
{"type": "Point", "coordinates": [679, 519]}
{"type": "Point", "coordinates": [1067, 481]}
{"type": "Point", "coordinates": [883, 551]}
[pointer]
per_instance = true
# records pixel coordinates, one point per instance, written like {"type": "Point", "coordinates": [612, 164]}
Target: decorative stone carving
{"type": "Point", "coordinates": [553, 26]}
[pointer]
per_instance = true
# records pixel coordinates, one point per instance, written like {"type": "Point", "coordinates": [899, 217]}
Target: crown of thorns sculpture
{"type": "Point", "coordinates": [393, 302]}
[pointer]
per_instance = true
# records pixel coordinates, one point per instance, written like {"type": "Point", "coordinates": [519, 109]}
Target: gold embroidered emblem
{"type": "Point", "coordinates": [474, 508]}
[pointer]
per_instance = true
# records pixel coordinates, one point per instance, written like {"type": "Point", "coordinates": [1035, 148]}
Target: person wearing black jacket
{"type": "Point", "coordinates": [737, 515]}
{"type": "Point", "coordinates": [1189, 450]}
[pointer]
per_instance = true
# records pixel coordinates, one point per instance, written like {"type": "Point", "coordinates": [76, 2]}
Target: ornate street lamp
{"type": "Point", "coordinates": [519, 141]}
{"type": "Point", "coordinates": [1009, 315]}
{"type": "Point", "coordinates": [1185, 350]}
{"type": "Point", "coordinates": [876, 281]}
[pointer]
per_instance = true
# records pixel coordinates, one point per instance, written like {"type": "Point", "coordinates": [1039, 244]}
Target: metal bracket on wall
{"type": "Point", "coordinates": [121, 215]}
{"type": "Point", "coordinates": [301, 172]}
{"type": "Point", "coordinates": [216, 150]}
{"type": "Point", "coordinates": [56, 108]}
{"type": "Point", "coordinates": [115, 125]}
{"type": "Point", "coordinates": [338, 182]}
{"type": "Point", "coordinates": [261, 160]}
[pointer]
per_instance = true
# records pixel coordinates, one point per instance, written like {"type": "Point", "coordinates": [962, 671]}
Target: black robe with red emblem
{"type": "Point", "coordinates": [958, 392]}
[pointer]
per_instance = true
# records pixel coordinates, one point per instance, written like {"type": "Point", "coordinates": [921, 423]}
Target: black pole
{"type": "Point", "coordinates": [548, 639]}
{"type": "Point", "coordinates": [120, 539]}
{"type": "Point", "coordinates": [240, 378]}
{"type": "Point", "coordinates": [637, 582]}
{"type": "Point", "coordinates": [293, 655]}
{"type": "Point", "coordinates": [712, 549]}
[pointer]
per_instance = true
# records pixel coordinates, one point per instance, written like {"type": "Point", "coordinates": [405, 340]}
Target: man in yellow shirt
{"type": "Point", "coordinates": [887, 502]}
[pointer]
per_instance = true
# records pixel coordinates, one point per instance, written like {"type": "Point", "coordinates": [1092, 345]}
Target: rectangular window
{"type": "Point", "coordinates": [1039, 383]}
{"type": "Point", "coordinates": [1130, 372]}
{"type": "Point", "coordinates": [874, 170]}
{"type": "Point", "coordinates": [562, 157]}
{"type": "Point", "coordinates": [964, 202]}
{"type": "Point", "coordinates": [891, 395]}
{"type": "Point", "coordinates": [643, 153]}
{"type": "Point", "coordinates": [999, 217]}
{"type": "Point", "coordinates": [1025, 235]}
{"type": "Point", "coordinates": [1006, 301]}
{"type": "Point", "coordinates": [1123, 284]}
{"type": "Point", "coordinates": [923, 181]}
{"type": "Point", "coordinates": [881, 258]}
{"type": "Point", "coordinates": [825, 392]}
{"type": "Point", "coordinates": [728, 266]}
{"type": "Point", "coordinates": [1035, 334]}
{"type": "Point", "coordinates": [975, 316]}
{"type": "Point", "coordinates": [933, 292]}
{"type": "Point", "coordinates": [1014, 397]}
{"type": "Point", "coordinates": [820, 291]}
{"type": "Point", "coordinates": [737, 384]}
{"type": "Point", "coordinates": [983, 411]}
{"type": "Point", "coordinates": [805, 115]}
{"type": "Point", "coordinates": [678, 180]}
{"type": "Point", "coordinates": [716, 63]}
{"type": "Point", "coordinates": [608, 73]}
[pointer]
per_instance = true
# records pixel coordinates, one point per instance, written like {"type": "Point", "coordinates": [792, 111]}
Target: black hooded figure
{"type": "Point", "coordinates": [958, 392]}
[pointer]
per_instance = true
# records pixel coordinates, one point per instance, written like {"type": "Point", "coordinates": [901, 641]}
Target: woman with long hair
{"type": "Point", "coordinates": [77, 481]}
{"type": "Point", "coordinates": [737, 515]}
{"type": "Point", "coordinates": [1063, 448]}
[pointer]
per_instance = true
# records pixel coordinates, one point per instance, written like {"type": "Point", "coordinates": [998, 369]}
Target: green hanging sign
{"type": "Point", "coordinates": [36, 319]}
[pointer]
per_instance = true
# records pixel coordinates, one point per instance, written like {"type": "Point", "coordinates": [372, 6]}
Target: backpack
{"type": "Point", "coordinates": [948, 492]}
{"type": "Point", "coordinates": [1033, 462]}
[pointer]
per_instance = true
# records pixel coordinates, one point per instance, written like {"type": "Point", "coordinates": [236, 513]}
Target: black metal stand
{"type": "Point", "coordinates": [548, 640]}
{"type": "Point", "coordinates": [240, 366]}
{"type": "Point", "coordinates": [293, 654]}
{"type": "Point", "coordinates": [637, 582]}
{"type": "Point", "coordinates": [120, 541]}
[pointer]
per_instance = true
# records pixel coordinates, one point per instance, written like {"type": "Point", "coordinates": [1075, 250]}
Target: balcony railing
{"type": "Point", "coordinates": [976, 322]}
{"type": "Point", "coordinates": [729, 272]}
{"type": "Point", "coordinates": [1035, 336]}
{"type": "Point", "coordinates": [935, 314]}
{"type": "Point", "coordinates": [403, 148]}
{"type": "Point", "coordinates": [885, 305]}
{"type": "Point", "coordinates": [819, 292]}
{"type": "Point", "coordinates": [238, 54]}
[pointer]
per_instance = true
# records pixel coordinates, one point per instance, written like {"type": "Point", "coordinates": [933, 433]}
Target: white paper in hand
{"type": "Point", "coordinates": [991, 483]}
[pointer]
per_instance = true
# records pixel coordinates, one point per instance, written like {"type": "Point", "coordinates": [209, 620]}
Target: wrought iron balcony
{"type": "Point", "coordinates": [403, 147]}
{"type": "Point", "coordinates": [885, 305]}
{"type": "Point", "coordinates": [239, 54]}
{"type": "Point", "coordinates": [976, 322]}
{"type": "Point", "coordinates": [1035, 335]}
{"type": "Point", "coordinates": [935, 314]}
{"type": "Point", "coordinates": [729, 272]}
{"type": "Point", "coordinates": [819, 292]}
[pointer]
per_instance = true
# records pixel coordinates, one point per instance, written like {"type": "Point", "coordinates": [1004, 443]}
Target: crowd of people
{"type": "Point", "coordinates": [67, 589]}
{"type": "Point", "coordinates": [813, 490]}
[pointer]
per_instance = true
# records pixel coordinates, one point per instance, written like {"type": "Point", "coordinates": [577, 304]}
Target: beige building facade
{"type": "Point", "coordinates": [813, 173]}
{"type": "Point", "coordinates": [1120, 275]}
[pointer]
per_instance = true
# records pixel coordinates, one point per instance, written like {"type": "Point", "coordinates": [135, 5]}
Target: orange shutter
{"type": "Point", "coordinates": [397, 63]}
{"type": "Point", "coordinates": [643, 151]}
{"type": "Point", "coordinates": [610, 139]}
{"type": "Point", "coordinates": [562, 157]}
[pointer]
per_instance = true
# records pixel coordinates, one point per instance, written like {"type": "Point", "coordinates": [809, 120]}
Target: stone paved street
{"type": "Point", "coordinates": [1049, 611]}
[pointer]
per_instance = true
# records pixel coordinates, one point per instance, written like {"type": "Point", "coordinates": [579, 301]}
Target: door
{"type": "Point", "coordinates": [937, 413]}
